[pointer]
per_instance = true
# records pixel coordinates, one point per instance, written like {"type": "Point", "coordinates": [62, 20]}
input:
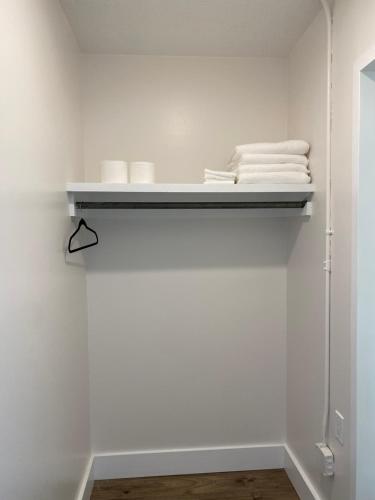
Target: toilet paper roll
{"type": "Point", "coordinates": [114, 171]}
{"type": "Point", "coordinates": [142, 172]}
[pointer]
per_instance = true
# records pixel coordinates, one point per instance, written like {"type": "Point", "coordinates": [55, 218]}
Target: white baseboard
{"type": "Point", "coordinates": [195, 461]}
{"type": "Point", "coordinates": [87, 482]}
{"type": "Point", "coordinates": [188, 461]}
{"type": "Point", "coordinates": [298, 477]}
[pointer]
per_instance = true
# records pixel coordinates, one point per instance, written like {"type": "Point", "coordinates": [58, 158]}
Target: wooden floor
{"type": "Point", "coordinates": [252, 485]}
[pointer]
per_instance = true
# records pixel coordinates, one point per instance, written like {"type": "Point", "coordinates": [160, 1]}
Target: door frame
{"type": "Point", "coordinates": [361, 64]}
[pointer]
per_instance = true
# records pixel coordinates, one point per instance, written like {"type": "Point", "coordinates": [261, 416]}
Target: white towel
{"type": "Point", "coordinates": [277, 167]}
{"type": "Point", "coordinates": [266, 159]}
{"type": "Point", "coordinates": [218, 174]}
{"type": "Point", "coordinates": [293, 147]}
{"type": "Point", "coordinates": [274, 178]}
{"type": "Point", "coordinates": [218, 181]}
{"type": "Point", "coordinates": [217, 178]}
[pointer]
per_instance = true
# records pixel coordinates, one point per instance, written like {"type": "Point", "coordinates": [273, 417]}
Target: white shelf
{"type": "Point", "coordinates": [87, 199]}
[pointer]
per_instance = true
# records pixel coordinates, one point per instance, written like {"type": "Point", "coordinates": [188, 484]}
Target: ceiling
{"type": "Point", "coordinates": [190, 27]}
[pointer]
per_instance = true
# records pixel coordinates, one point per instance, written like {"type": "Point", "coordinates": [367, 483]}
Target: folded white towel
{"type": "Point", "coordinates": [217, 181]}
{"type": "Point", "coordinates": [275, 178]}
{"type": "Point", "coordinates": [218, 174]}
{"type": "Point", "coordinates": [265, 159]}
{"type": "Point", "coordinates": [214, 179]}
{"type": "Point", "coordinates": [292, 147]}
{"type": "Point", "coordinates": [277, 167]}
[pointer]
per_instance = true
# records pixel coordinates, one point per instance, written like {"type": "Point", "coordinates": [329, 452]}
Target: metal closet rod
{"type": "Point", "coordinates": [187, 205]}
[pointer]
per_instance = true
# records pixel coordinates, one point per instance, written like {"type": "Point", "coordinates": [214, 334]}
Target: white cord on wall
{"type": "Point", "coordinates": [329, 234]}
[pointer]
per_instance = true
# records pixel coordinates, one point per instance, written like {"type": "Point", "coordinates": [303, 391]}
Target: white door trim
{"type": "Point", "coordinates": [367, 58]}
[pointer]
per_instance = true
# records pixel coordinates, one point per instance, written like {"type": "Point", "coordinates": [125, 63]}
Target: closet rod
{"type": "Point", "coordinates": [188, 205]}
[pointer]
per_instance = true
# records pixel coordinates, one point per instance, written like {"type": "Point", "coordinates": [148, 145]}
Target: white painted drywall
{"type": "Point", "coordinates": [365, 283]}
{"type": "Point", "coordinates": [354, 35]}
{"type": "Point", "coordinates": [186, 113]}
{"type": "Point", "coordinates": [44, 430]}
{"type": "Point", "coordinates": [265, 28]}
{"type": "Point", "coordinates": [187, 315]}
{"type": "Point", "coordinates": [306, 279]}
{"type": "Point", "coordinates": [187, 332]}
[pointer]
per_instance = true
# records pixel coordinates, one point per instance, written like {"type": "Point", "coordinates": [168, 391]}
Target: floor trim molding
{"type": "Point", "coordinates": [197, 460]}
{"type": "Point", "coordinates": [188, 461]}
{"type": "Point", "coordinates": [87, 482]}
{"type": "Point", "coordinates": [298, 477]}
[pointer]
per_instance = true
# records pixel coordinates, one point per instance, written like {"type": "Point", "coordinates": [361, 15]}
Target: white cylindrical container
{"type": "Point", "coordinates": [114, 172]}
{"type": "Point", "coordinates": [142, 172]}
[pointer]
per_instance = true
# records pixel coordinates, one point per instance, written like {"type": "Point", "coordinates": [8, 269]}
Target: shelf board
{"type": "Point", "coordinates": [281, 199]}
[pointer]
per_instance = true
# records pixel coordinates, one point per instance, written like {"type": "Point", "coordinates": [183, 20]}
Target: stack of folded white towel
{"type": "Point", "coordinates": [219, 177]}
{"type": "Point", "coordinates": [271, 163]}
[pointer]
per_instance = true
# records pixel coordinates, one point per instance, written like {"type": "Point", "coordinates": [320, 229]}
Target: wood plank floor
{"type": "Point", "coordinates": [251, 485]}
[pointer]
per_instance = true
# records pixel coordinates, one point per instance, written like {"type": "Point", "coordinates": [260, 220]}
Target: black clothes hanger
{"type": "Point", "coordinates": [82, 222]}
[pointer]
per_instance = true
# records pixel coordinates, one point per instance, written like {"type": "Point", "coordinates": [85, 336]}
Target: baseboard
{"type": "Point", "coordinates": [195, 461]}
{"type": "Point", "coordinates": [298, 477]}
{"type": "Point", "coordinates": [188, 461]}
{"type": "Point", "coordinates": [87, 482]}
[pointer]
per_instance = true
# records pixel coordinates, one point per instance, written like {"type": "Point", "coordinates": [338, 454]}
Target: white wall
{"type": "Point", "coordinates": [186, 113]}
{"type": "Point", "coordinates": [43, 357]}
{"type": "Point", "coordinates": [354, 35]}
{"type": "Point", "coordinates": [306, 278]}
{"type": "Point", "coordinates": [183, 348]}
